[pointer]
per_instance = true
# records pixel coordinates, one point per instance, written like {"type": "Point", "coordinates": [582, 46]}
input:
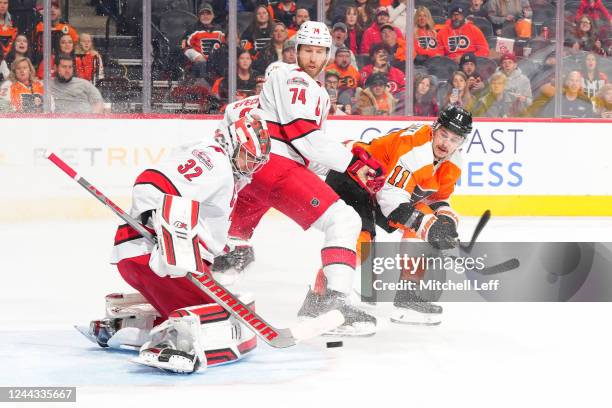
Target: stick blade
{"type": "Point", "coordinates": [310, 328]}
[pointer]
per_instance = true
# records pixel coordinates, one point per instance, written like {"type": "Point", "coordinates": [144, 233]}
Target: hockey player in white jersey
{"type": "Point", "coordinates": [186, 201]}
{"type": "Point", "coordinates": [295, 106]}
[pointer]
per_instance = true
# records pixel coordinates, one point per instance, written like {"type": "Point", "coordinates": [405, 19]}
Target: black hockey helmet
{"type": "Point", "coordinates": [455, 119]}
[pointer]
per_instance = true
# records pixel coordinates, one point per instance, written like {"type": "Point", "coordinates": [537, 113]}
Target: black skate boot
{"type": "Point", "coordinates": [356, 322]}
{"type": "Point", "coordinates": [410, 308]}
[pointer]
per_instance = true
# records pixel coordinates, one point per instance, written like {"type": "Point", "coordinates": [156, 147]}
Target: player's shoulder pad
{"type": "Point", "coordinates": [211, 157]}
{"type": "Point", "coordinates": [415, 128]}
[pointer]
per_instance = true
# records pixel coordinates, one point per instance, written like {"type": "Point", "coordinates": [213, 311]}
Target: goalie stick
{"type": "Point", "coordinates": [275, 337]}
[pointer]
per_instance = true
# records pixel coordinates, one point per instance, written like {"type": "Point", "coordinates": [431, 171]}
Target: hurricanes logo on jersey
{"type": "Point", "coordinates": [427, 42]}
{"type": "Point", "coordinates": [458, 42]}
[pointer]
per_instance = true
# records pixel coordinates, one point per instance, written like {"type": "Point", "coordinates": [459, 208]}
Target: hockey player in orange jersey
{"type": "Point", "coordinates": [423, 164]}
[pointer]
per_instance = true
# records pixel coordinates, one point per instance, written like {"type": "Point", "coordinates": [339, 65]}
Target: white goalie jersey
{"type": "Point", "coordinates": [201, 172]}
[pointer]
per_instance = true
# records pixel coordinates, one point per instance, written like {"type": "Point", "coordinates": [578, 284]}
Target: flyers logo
{"type": "Point", "coordinates": [459, 42]}
{"type": "Point", "coordinates": [348, 82]}
{"type": "Point", "coordinates": [427, 42]}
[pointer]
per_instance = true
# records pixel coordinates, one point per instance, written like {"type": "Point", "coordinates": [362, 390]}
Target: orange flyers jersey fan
{"type": "Point", "coordinates": [204, 41]}
{"type": "Point", "coordinates": [412, 175]}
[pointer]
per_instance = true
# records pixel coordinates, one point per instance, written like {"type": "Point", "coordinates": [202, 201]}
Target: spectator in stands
{"type": "Point", "coordinates": [274, 51]}
{"type": "Point", "coordinates": [329, 12]}
{"type": "Point", "coordinates": [21, 48]}
{"type": "Point", "coordinates": [593, 80]}
{"type": "Point", "coordinates": [7, 31]}
{"type": "Point", "coordinates": [595, 10]}
{"type": "Point", "coordinates": [71, 94]}
{"type": "Point", "coordinates": [4, 69]}
{"type": "Point", "coordinates": [339, 36]}
{"type": "Point", "coordinates": [467, 65]}
{"type": "Point", "coordinates": [66, 46]}
{"type": "Point", "coordinates": [426, 43]}
{"type": "Point", "coordinates": [477, 9]}
{"type": "Point", "coordinates": [372, 34]}
{"type": "Point", "coordinates": [585, 37]}
{"type": "Point", "coordinates": [459, 92]}
{"type": "Point", "coordinates": [285, 12]}
{"type": "Point", "coordinates": [355, 29]}
{"type": "Point", "coordinates": [397, 14]}
{"type": "Point", "coordinates": [348, 74]}
{"type": "Point", "coordinates": [22, 90]}
{"type": "Point", "coordinates": [504, 14]}
{"type": "Point", "coordinates": [459, 36]}
{"type": "Point", "coordinates": [332, 80]}
{"type": "Point", "coordinates": [88, 61]}
{"type": "Point", "coordinates": [496, 103]}
{"type": "Point", "coordinates": [200, 40]}
{"type": "Point", "coordinates": [379, 57]}
{"type": "Point", "coordinates": [246, 79]}
{"type": "Point", "coordinates": [366, 12]}
{"type": "Point", "coordinates": [60, 27]}
{"type": "Point", "coordinates": [574, 103]}
{"type": "Point", "coordinates": [397, 46]}
{"type": "Point", "coordinates": [384, 102]}
{"type": "Point", "coordinates": [289, 52]}
{"type": "Point", "coordinates": [259, 80]}
{"type": "Point", "coordinates": [517, 85]}
{"type": "Point", "coordinates": [301, 15]}
{"type": "Point", "coordinates": [259, 32]}
{"type": "Point", "coordinates": [425, 103]}
{"type": "Point", "coordinates": [603, 102]}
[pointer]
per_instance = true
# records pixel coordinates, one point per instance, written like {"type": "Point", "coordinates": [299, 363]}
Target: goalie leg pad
{"type": "Point", "coordinates": [196, 337]}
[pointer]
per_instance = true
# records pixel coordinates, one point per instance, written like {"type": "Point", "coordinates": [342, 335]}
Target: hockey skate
{"type": "Point", "coordinates": [410, 308]}
{"type": "Point", "coordinates": [127, 324]}
{"type": "Point", "coordinates": [356, 322]}
{"type": "Point", "coordinates": [175, 346]}
{"type": "Point", "coordinates": [229, 268]}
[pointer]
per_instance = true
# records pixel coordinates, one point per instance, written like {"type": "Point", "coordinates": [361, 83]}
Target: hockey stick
{"type": "Point", "coordinates": [279, 338]}
{"type": "Point", "coordinates": [484, 219]}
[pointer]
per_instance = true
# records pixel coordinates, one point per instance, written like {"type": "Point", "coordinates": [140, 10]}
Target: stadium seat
{"type": "Point", "coordinates": [528, 68]}
{"type": "Point", "coordinates": [544, 14]}
{"type": "Point", "coordinates": [486, 67]}
{"type": "Point", "coordinates": [485, 26]}
{"type": "Point", "coordinates": [442, 67]}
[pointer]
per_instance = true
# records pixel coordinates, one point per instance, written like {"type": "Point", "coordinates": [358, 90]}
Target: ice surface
{"type": "Point", "coordinates": [55, 274]}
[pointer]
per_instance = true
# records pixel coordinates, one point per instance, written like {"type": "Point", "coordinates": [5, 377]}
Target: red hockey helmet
{"type": "Point", "coordinates": [251, 144]}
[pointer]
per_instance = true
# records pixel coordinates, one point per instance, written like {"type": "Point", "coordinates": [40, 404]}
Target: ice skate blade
{"type": "Point", "coordinates": [84, 330]}
{"type": "Point", "coordinates": [411, 317]}
{"type": "Point", "coordinates": [165, 367]}
{"type": "Point", "coordinates": [363, 330]}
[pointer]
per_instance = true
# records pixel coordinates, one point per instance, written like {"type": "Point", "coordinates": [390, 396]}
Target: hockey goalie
{"type": "Point", "coordinates": [186, 201]}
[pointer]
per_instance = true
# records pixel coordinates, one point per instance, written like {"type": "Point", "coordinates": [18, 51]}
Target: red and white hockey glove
{"type": "Point", "coordinates": [366, 170]}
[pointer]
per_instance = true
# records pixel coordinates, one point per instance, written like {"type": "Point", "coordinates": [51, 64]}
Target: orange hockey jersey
{"type": "Point", "coordinates": [426, 43]}
{"type": "Point", "coordinates": [58, 30]}
{"type": "Point", "coordinates": [7, 37]}
{"type": "Point", "coordinates": [26, 98]}
{"type": "Point", "coordinates": [467, 38]}
{"type": "Point", "coordinates": [413, 176]}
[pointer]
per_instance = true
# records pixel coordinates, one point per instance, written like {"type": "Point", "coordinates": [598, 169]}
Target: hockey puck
{"type": "Point", "coordinates": [332, 344]}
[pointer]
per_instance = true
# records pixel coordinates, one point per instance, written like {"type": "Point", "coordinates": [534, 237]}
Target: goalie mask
{"type": "Point", "coordinates": [251, 144]}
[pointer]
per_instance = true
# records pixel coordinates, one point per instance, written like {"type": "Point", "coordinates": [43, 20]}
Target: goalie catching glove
{"type": "Point", "coordinates": [374, 179]}
{"type": "Point", "coordinates": [439, 230]}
